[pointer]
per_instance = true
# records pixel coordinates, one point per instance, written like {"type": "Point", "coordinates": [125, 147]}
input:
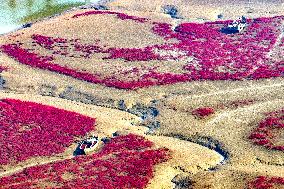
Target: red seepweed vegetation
{"type": "Point", "coordinates": [3, 68]}
{"type": "Point", "coordinates": [263, 134]}
{"type": "Point", "coordinates": [203, 112]}
{"type": "Point", "coordinates": [119, 15]}
{"type": "Point", "coordinates": [263, 182]}
{"type": "Point", "coordinates": [125, 162]}
{"type": "Point", "coordinates": [210, 54]}
{"type": "Point", "coordinates": [29, 129]}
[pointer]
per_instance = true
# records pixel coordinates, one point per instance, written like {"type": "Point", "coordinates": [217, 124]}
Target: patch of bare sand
{"type": "Point", "coordinates": [186, 158]}
{"type": "Point", "coordinates": [230, 124]}
{"type": "Point", "coordinates": [206, 9]}
{"type": "Point", "coordinates": [104, 28]}
{"type": "Point", "coordinates": [232, 177]}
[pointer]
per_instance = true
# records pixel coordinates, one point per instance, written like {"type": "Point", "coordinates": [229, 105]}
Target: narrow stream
{"type": "Point", "coordinates": [15, 13]}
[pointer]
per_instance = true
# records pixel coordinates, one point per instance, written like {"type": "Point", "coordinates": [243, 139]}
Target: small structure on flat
{"type": "Point", "coordinates": [236, 26]}
{"type": "Point", "coordinates": [86, 146]}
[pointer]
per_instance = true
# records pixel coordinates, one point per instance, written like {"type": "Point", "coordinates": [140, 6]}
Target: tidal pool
{"type": "Point", "coordinates": [15, 13]}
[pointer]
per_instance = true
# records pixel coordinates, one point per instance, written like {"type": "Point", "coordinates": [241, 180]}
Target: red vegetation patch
{"type": "Point", "coordinates": [263, 182]}
{"type": "Point", "coordinates": [119, 15]}
{"type": "Point", "coordinates": [3, 68]}
{"type": "Point", "coordinates": [128, 54]}
{"type": "Point", "coordinates": [45, 62]}
{"type": "Point", "coordinates": [43, 41]}
{"type": "Point", "coordinates": [34, 60]}
{"type": "Point", "coordinates": [124, 162]}
{"type": "Point", "coordinates": [29, 58]}
{"type": "Point", "coordinates": [203, 112]}
{"type": "Point", "coordinates": [60, 46]}
{"type": "Point", "coordinates": [224, 56]}
{"type": "Point", "coordinates": [207, 53]}
{"type": "Point", "coordinates": [265, 134]}
{"type": "Point", "coordinates": [29, 129]}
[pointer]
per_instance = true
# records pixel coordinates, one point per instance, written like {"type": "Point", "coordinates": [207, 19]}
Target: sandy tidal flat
{"type": "Point", "coordinates": [220, 130]}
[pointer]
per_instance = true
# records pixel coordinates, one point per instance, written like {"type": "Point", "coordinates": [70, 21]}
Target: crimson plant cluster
{"type": "Point", "coordinates": [264, 134]}
{"type": "Point", "coordinates": [119, 15]}
{"type": "Point", "coordinates": [3, 68]}
{"type": "Point", "coordinates": [209, 53]}
{"type": "Point", "coordinates": [29, 129]}
{"type": "Point", "coordinates": [125, 162]}
{"type": "Point", "coordinates": [263, 182]}
{"type": "Point", "coordinates": [203, 112]}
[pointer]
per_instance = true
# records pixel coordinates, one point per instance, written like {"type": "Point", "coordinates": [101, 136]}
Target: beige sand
{"type": "Point", "coordinates": [205, 9]}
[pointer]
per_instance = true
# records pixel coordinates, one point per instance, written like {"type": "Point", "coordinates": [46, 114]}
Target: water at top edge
{"type": "Point", "coordinates": [14, 12]}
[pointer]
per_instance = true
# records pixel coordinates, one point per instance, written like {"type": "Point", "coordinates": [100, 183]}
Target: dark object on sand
{"type": "Point", "coordinates": [78, 152]}
{"type": "Point", "coordinates": [106, 140]}
{"type": "Point", "coordinates": [27, 25]}
{"type": "Point", "coordinates": [182, 182]}
{"type": "Point", "coordinates": [2, 82]}
{"type": "Point", "coordinates": [220, 16]}
{"type": "Point", "coordinates": [143, 111]}
{"type": "Point", "coordinates": [122, 105]}
{"type": "Point", "coordinates": [94, 6]}
{"type": "Point", "coordinates": [171, 10]}
{"type": "Point", "coordinates": [250, 10]}
{"type": "Point", "coordinates": [236, 27]}
{"type": "Point", "coordinates": [115, 134]}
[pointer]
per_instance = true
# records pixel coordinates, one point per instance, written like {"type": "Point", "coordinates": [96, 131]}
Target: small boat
{"type": "Point", "coordinates": [86, 146]}
{"type": "Point", "coordinates": [89, 144]}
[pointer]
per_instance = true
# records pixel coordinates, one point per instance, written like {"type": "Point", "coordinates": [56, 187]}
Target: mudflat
{"type": "Point", "coordinates": [175, 102]}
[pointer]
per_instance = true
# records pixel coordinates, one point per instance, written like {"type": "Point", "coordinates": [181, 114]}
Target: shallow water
{"type": "Point", "coordinates": [14, 13]}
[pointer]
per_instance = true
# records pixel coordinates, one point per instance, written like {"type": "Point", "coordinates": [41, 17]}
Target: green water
{"type": "Point", "coordinates": [14, 13]}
